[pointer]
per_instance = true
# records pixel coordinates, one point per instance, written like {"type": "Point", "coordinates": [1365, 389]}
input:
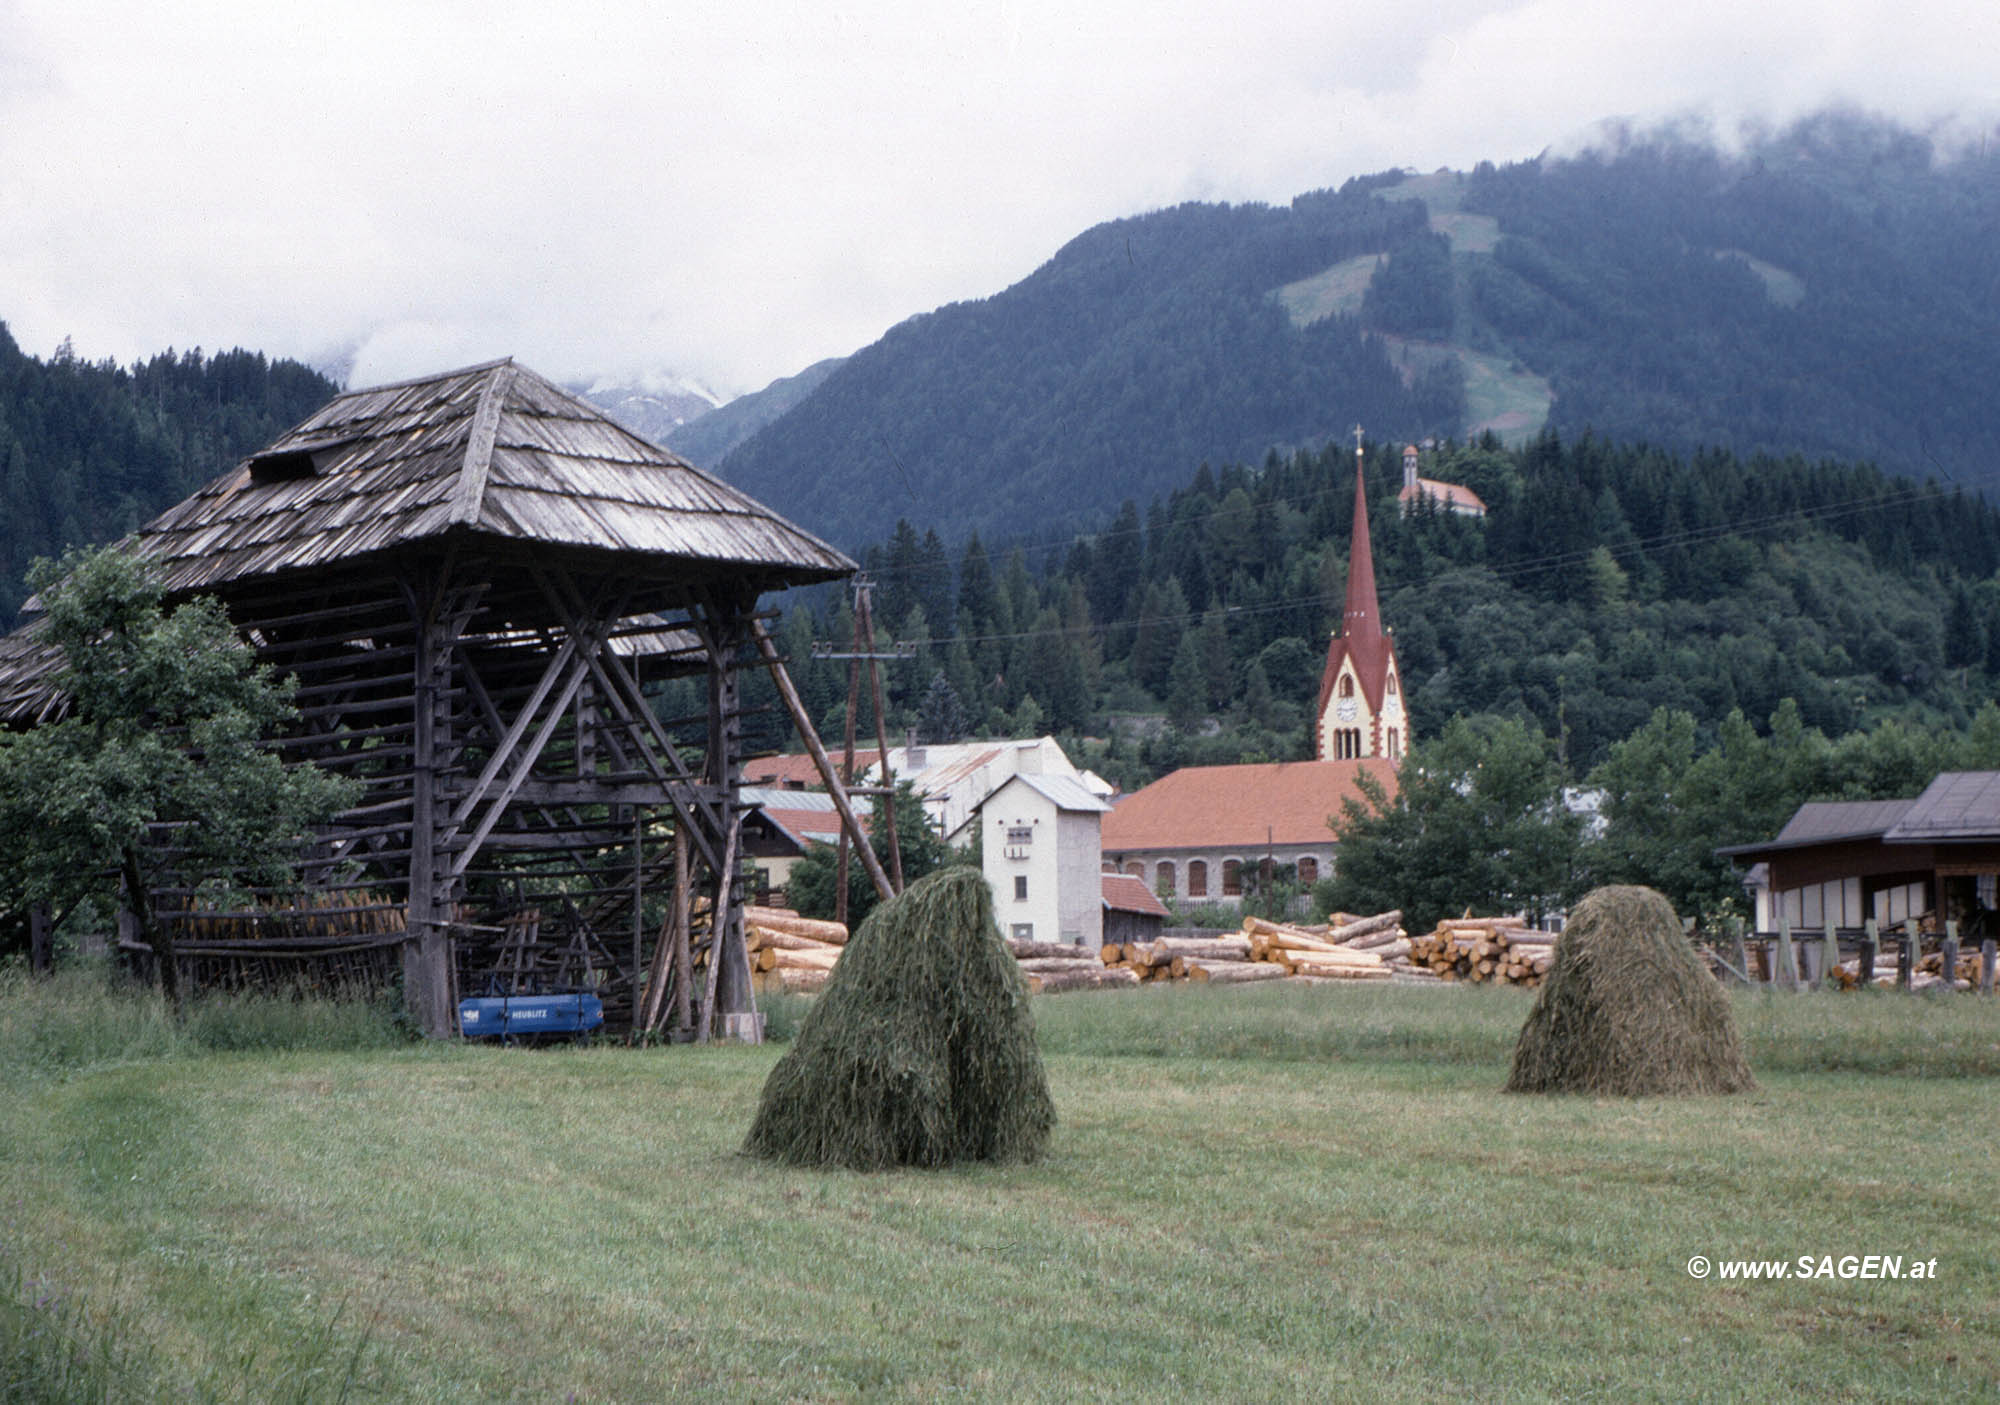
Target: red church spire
{"type": "Point", "coordinates": [1363, 617]}
{"type": "Point", "coordinates": [1361, 641]}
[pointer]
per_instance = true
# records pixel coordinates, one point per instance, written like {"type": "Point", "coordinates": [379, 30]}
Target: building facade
{"type": "Point", "coordinates": [1040, 837]}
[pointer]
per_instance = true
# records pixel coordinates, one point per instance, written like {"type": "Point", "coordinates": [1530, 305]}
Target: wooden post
{"type": "Point", "coordinates": [1829, 957]}
{"type": "Point", "coordinates": [882, 744]}
{"type": "Point", "coordinates": [683, 921]}
{"type": "Point", "coordinates": [1906, 958]}
{"type": "Point", "coordinates": [1869, 943]}
{"type": "Point", "coordinates": [810, 736]}
{"type": "Point", "coordinates": [427, 958]}
{"type": "Point", "coordinates": [1784, 966]}
{"type": "Point", "coordinates": [1948, 950]}
{"type": "Point", "coordinates": [1986, 962]}
{"type": "Point", "coordinates": [1739, 951]}
{"type": "Point", "coordinates": [41, 941]}
{"type": "Point", "coordinates": [638, 908]}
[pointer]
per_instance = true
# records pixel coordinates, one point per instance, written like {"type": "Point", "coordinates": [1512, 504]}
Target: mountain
{"type": "Point", "coordinates": [1832, 289]}
{"type": "Point", "coordinates": [651, 411]}
{"type": "Point", "coordinates": [707, 439]}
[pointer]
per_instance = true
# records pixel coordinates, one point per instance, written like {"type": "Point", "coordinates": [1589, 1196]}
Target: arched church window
{"type": "Point", "coordinates": [1347, 685]}
{"type": "Point", "coordinates": [1197, 878]}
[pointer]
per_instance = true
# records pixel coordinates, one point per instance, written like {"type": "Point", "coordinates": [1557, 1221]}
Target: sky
{"type": "Point", "coordinates": [624, 191]}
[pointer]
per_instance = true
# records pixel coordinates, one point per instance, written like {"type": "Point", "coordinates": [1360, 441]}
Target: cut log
{"type": "Point", "coordinates": [791, 979]}
{"type": "Point", "coordinates": [1100, 977]}
{"type": "Point", "coordinates": [1233, 972]}
{"type": "Point", "coordinates": [1043, 965]}
{"type": "Point", "coordinates": [778, 919]}
{"type": "Point", "coordinates": [1028, 951]}
{"type": "Point", "coordinates": [774, 958]}
{"type": "Point", "coordinates": [756, 938]}
{"type": "Point", "coordinates": [1337, 957]}
{"type": "Point", "coordinates": [1367, 926]}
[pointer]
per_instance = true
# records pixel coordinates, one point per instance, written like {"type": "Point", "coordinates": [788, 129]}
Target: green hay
{"type": "Point", "coordinates": [920, 1051]}
{"type": "Point", "coordinates": [1627, 1009]}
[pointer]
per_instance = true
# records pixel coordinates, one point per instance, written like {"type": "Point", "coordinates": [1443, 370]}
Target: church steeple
{"type": "Point", "coordinates": [1360, 694]}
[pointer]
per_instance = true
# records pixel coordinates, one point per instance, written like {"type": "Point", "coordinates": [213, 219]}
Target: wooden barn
{"type": "Point", "coordinates": [475, 577]}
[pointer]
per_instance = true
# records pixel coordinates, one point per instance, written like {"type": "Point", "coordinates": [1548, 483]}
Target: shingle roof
{"type": "Point", "coordinates": [490, 450]}
{"type": "Point", "coordinates": [1199, 807]}
{"type": "Point", "coordinates": [1125, 893]}
{"type": "Point", "coordinates": [1957, 805]}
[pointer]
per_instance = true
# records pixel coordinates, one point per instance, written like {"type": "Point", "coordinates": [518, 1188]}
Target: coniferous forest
{"type": "Point", "coordinates": [90, 450]}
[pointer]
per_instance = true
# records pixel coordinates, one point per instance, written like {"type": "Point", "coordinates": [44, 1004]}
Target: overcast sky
{"type": "Point", "coordinates": [734, 191]}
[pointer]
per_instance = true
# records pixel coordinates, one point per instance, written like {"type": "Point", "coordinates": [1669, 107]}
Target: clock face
{"type": "Point", "coordinates": [1345, 710]}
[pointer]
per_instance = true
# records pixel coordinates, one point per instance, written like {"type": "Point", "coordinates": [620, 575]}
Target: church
{"type": "Point", "coordinates": [1360, 712]}
{"type": "Point", "coordinates": [1211, 833]}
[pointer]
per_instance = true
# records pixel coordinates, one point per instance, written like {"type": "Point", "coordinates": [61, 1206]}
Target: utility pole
{"type": "Point", "coordinates": [865, 651]}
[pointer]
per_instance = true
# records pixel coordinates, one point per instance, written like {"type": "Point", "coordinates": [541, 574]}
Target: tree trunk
{"type": "Point", "coordinates": [140, 899]}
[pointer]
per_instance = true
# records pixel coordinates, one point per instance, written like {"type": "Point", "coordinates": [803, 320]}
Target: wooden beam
{"type": "Point", "coordinates": [849, 824]}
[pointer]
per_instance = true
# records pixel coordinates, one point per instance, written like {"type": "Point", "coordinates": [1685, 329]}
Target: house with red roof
{"type": "Point", "coordinates": [1201, 833]}
{"type": "Point", "coordinates": [1454, 498]}
{"type": "Point", "coordinates": [1131, 912]}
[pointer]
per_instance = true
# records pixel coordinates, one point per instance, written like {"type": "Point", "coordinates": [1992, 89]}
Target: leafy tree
{"type": "Point", "coordinates": [167, 730]}
{"type": "Point", "coordinates": [814, 878]}
{"type": "Point", "coordinates": [1478, 821]}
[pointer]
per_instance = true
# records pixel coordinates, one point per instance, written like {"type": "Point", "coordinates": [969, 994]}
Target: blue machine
{"type": "Point", "coordinates": [511, 1016]}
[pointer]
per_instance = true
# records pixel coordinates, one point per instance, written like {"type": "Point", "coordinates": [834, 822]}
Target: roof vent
{"type": "Point", "coordinates": [309, 460]}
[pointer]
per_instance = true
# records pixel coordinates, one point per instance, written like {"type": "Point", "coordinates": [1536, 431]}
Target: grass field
{"type": "Point", "coordinates": [1254, 1194]}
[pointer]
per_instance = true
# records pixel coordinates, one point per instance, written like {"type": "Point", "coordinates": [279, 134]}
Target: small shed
{"type": "Point", "coordinates": [475, 578]}
{"type": "Point", "coordinates": [1131, 912]}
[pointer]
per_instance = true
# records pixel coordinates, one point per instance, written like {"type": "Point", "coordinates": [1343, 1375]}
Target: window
{"type": "Point", "coordinates": [1346, 743]}
{"type": "Point", "coordinates": [1232, 879]}
{"type": "Point", "coordinates": [1395, 744]}
{"type": "Point", "coordinates": [1022, 931]}
{"type": "Point", "coordinates": [1020, 834]}
{"type": "Point", "coordinates": [1347, 685]}
{"type": "Point", "coordinates": [1163, 878]}
{"type": "Point", "coordinates": [1308, 869]}
{"type": "Point", "coordinates": [1197, 879]}
{"type": "Point", "coordinates": [1020, 887]}
{"type": "Point", "coordinates": [1391, 685]}
{"type": "Point", "coordinates": [1136, 869]}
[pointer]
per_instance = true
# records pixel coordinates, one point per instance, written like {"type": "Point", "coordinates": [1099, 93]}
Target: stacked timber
{"type": "Point", "coordinates": [1494, 950]}
{"type": "Point", "coordinates": [1323, 954]}
{"type": "Point", "coordinates": [1347, 949]}
{"type": "Point", "coordinates": [790, 952]}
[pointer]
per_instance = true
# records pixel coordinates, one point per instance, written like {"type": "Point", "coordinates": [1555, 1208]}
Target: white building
{"type": "Point", "coordinates": [1039, 844]}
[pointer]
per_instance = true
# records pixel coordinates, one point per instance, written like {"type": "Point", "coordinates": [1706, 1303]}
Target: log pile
{"type": "Point", "coordinates": [790, 952]}
{"type": "Point", "coordinates": [1496, 950]}
{"type": "Point", "coordinates": [1348, 948]}
{"type": "Point", "coordinates": [1929, 971]}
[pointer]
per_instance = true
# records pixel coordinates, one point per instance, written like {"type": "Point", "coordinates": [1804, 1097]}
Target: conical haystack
{"type": "Point", "coordinates": [921, 1050]}
{"type": "Point", "coordinates": [1628, 1009]}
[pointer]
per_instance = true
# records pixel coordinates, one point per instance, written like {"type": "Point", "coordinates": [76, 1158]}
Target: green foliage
{"type": "Point", "coordinates": [1627, 1009]}
{"type": "Point", "coordinates": [815, 877]}
{"type": "Point", "coordinates": [920, 1051]}
{"type": "Point", "coordinates": [168, 721]}
{"type": "Point", "coordinates": [1478, 821]}
{"type": "Point", "coordinates": [84, 1017]}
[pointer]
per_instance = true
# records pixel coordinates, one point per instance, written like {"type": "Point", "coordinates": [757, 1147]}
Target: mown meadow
{"type": "Point", "coordinates": [1252, 1194]}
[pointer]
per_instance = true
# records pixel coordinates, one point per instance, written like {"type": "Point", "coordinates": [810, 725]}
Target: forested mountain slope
{"type": "Point", "coordinates": [1834, 290]}
{"type": "Point", "coordinates": [89, 451]}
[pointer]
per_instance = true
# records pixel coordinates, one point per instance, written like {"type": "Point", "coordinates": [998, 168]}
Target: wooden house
{"type": "Point", "coordinates": [1934, 858]}
{"type": "Point", "coordinates": [474, 577]}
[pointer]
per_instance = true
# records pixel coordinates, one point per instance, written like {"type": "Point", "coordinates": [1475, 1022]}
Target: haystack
{"type": "Point", "coordinates": [1628, 1009]}
{"type": "Point", "coordinates": [921, 1050]}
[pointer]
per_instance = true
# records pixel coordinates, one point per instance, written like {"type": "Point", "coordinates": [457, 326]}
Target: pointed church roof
{"type": "Point", "coordinates": [1361, 637]}
{"type": "Point", "coordinates": [493, 450]}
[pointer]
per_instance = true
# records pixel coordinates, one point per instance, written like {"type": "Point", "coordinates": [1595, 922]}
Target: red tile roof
{"type": "Point", "coordinates": [1124, 893]}
{"type": "Point", "coordinates": [797, 771]}
{"type": "Point", "coordinates": [1455, 496]}
{"type": "Point", "coordinates": [1203, 807]}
